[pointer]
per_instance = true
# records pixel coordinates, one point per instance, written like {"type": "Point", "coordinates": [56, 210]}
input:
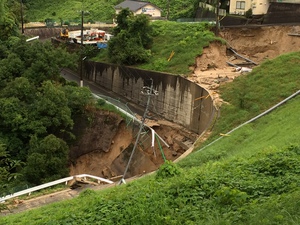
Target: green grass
{"type": "Point", "coordinates": [186, 40]}
{"type": "Point", "coordinates": [250, 177]}
{"type": "Point", "coordinates": [96, 11]}
{"type": "Point", "coordinates": [251, 94]}
{"type": "Point", "coordinates": [278, 129]}
{"type": "Point", "coordinates": [70, 10]}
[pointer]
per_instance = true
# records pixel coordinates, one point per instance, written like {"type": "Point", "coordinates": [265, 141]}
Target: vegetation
{"type": "Point", "coordinates": [175, 46]}
{"type": "Point", "coordinates": [250, 177]}
{"type": "Point", "coordinates": [98, 11]}
{"type": "Point", "coordinates": [8, 20]}
{"type": "Point", "coordinates": [37, 108]}
{"type": "Point", "coordinates": [132, 39]}
{"type": "Point", "coordinates": [248, 95]}
{"type": "Point", "coordinates": [262, 188]}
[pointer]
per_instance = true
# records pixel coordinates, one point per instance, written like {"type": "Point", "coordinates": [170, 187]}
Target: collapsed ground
{"type": "Point", "coordinates": [256, 43]}
{"type": "Point", "coordinates": [211, 69]}
{"type": "Point", "coordinates": [105, 146]}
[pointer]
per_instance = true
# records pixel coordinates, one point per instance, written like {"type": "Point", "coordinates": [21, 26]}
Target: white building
{"type": "Point", "coordinates": [259, 7]}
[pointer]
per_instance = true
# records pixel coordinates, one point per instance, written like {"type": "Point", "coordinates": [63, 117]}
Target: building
{"type": "Point", "coordinates": [259, 7]}
{"type": "Point", "coordinates": [239, 7]}
{"type": "Point", "coordinates": [139, 7]}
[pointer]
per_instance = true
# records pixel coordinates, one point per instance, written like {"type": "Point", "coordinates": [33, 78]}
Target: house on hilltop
{"type": "Point", "coordinates": [240, 7]}
{"type": "Point", "coordinates": [139, 7]}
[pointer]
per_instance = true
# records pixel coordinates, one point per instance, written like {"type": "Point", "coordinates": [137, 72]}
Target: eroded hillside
{"type": "Point", "coordinates": [256, 43]}
{"type": "Point", "coordinates": [107, 141]}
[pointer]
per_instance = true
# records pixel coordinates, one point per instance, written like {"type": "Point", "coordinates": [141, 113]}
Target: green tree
{"type": "Point", "coordinates": [122, 21]}
{"type": "Point", "coordinates": [8, 22]}
{"type": "Point", "coordinates": [36, 109]}
{"type": "Point", "coordinates": [51, 109]}
{"type": "Point", "coordinates": [47, 159]}
{"type": "Point", "coordinates": [9, 170]}
{"type": "Point", "coordinates": [78, 98]}
{"type": "Point", "coordinates": [10, 67]}
{"type": "Point", "coordinates": [132, 41]}
{"type": "Point", "coordinates": [21, 89]}
{"type": "Point", "coordinates": [126, 49]}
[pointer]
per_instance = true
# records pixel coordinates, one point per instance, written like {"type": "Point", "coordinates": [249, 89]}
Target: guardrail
{"type": "Point", "coordinates": [153, 133]}
{"type": "Point", "coordinates": [43, 186]}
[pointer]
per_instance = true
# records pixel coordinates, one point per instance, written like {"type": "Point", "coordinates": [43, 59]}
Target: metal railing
{"type": "Point", "coordinates": [50, 184]}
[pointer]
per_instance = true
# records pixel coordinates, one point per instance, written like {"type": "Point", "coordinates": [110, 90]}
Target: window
{"type": "Point", "coordinates": [240, 4]}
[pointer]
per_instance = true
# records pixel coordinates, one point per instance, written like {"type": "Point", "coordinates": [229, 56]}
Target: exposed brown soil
{"type": "Point", "coordinates": [255, 43]}
{"type": "Point", "coordinates": [106, 145]}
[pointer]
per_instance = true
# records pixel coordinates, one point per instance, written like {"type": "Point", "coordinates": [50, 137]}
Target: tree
{"type": "Point", "coordinates": [9, 170]}
{"type": "Point", "coordinates": [51, 109]}
{"type": "Point", "coordinates": [123, 21]}
{"type": "Point", "coordinates": [47, 159]}
{"type": "Point", "coordinates": [133, 39]}
{"type": "Point", "coordinates": [8, 22]}
{"type": "Point", "coordinates": [78, 98]}
{"type": "Point", "coordinates": [36, 109]}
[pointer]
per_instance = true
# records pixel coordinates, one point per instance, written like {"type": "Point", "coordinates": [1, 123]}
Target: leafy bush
{"type": "Point", "coordinates": [166, 170]}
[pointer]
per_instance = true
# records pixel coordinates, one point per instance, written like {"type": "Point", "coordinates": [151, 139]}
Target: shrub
{"type": "Point", "coordinates": [168, 169]}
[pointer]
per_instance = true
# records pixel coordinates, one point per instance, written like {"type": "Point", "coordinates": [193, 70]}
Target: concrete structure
{"type": "Point", "coordinates": [179, 100]}
{"type": "Point", "coordinates": [259, 7]}
{"type": "Point", "coordinates": [239, 7]}
{"type": "Point", "coordinates": [139, 7]}
{"type": "Point", "coordinates": [279, 12]}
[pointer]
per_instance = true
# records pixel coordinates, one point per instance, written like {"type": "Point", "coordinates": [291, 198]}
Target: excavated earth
{"type": "Point", "coordinates": [106, 144]}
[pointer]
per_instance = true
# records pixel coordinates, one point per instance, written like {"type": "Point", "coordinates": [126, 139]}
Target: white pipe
{"type": "Point", "coordinates": [34, 38]}
{"type": "Point", "coordinates": [43, 186]}
{"type": "Point", "coordinates": [95, 177]}
{"type": "Point", "coordinates": [253, 119]}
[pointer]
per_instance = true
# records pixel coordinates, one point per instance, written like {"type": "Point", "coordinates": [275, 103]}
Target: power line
{"type": "Point", "coordinates": [149, 92]}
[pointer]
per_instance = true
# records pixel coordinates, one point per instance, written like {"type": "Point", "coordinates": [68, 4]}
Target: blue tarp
{"type": "Point", "coordinates": [102, 45]}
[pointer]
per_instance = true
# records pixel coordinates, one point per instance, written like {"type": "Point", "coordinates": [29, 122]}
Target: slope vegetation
{"type": "Point", "coordinates": [250, 177]}
{"type": "Point", "coordinates": [97, 11]}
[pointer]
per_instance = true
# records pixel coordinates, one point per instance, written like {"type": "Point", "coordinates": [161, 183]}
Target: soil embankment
{"type": "Point", "coordinates": [256, 43]}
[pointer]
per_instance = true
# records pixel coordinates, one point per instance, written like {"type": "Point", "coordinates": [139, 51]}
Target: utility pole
{"type": "Point", "coordinates": [22, 19]}
{"type": "Point", "coordinates": [217, 18]}
{"type": "Point", "coordinates": [168, 9]}
{"type": "Point", "coordinates": [149, 92]}
{"type": "Point", "coordinates": [81, 51]}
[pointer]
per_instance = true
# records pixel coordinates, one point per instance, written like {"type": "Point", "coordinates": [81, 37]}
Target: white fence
{"type": "Point", "coordinates": [43, 186]}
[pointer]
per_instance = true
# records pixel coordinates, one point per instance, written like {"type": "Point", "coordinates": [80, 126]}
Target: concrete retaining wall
{"type": "Point", "coordinates": [283, 13]}
{"type": "Point", "coordinates": [179, 99]}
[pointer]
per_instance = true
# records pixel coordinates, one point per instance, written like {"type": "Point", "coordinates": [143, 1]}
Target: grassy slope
{"type": "Point", "coordinates": [70, 10]}
{"type": "Point", "coordinates": [250, 95]}
{"type": "Point", "coordinates": [251, 177]}
{"type": "Point", "coordinates": [186, 40]}
{"type": "Point", "coordinates": [100, 11]}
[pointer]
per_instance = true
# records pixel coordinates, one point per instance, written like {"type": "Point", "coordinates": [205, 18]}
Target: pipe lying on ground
{"type": "Point", "coordinates": [253, 119]}
{"type": "Point", "coordinates": [32, 39]}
